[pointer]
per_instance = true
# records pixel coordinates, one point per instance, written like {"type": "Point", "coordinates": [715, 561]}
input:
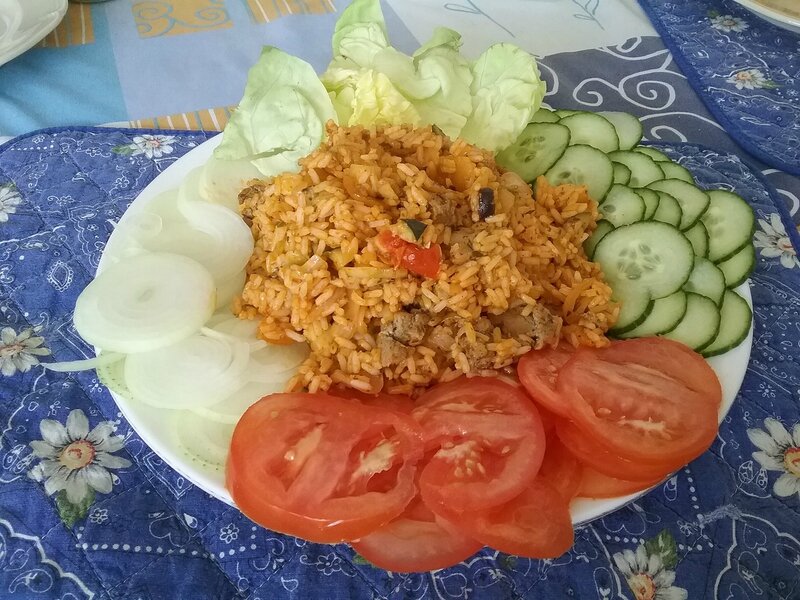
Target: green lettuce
{"type": "Point", "coordinates": [506, 91]}
{"type": "Point", "coordinates": [487, 102]}
{"type": "Point", "coordinates": [281, 117]}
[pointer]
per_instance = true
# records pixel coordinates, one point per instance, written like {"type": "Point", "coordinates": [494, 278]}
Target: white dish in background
{"type": "Point", "coordinates": [157, 427]}
{"type": "Point", "coordinates": [772, 11]}
{"type": "Point", "coordinates": [24, 23]}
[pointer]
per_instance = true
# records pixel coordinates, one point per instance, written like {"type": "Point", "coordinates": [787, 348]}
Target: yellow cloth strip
{"type": "Point", "coordinates": [266, 11]}
{"type": "Point", "coordinates": [210, 119]}
{"type": "Point", "coordinates": [75, 29]}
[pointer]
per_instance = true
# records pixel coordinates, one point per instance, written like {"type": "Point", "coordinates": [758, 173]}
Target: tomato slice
{"type": "Point", "coordinates": [535, 524]}
{"type": "Point", "coordinates": [642, 411]}
{"type": "Point", "coordinates": [487, 441]}
{"type": "Point", "coordinates": [560, 468]}
{"type": "Point", "coordinates": [398, 402]}
{"type": "Point", "coordinates": [415, 541]}
{"type": "Point", "coordinates": [538, 371]}
{"type": "Point", "coordinates": [594, 484]}
{"type": "Point", "coordinates": [322, 468]}
{"type": "Point", "coordinates": [590, 454]}
{"type": "Point", "coordinates": [410, 256]}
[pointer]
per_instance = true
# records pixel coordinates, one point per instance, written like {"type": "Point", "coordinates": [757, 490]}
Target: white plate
{"type": "Point", "coordinates": [777, 12]}
{"type": "Point", "coordinates": [157, 426]}
{"type": "Point", "coordinates": [23, 23]}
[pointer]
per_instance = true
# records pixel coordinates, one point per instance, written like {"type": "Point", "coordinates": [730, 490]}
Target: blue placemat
{"type": "Point", "coordinates": [746, 70]}
{"type": "Point", "coordinates": [109, 519]}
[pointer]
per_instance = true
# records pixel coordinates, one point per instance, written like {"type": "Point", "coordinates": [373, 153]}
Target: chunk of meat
{"type": "Point", "coordinates": [541, 325]}
{"type": "Point", "coordinates": [407, 327]}
{"type": "Point", "coordinates": [442, 210]}
{"type": "Point", "coordinates": [460, 238]}
{"type": "Point", "coordinates": [392, 351]}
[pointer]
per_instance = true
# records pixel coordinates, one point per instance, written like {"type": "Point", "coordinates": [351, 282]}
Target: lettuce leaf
{"type": "Point", "coordinates": [488, 102]}
{"type": "Point", "coordinates": [281, 117]}
{"type": "Point", "coordinates": [506, 90]}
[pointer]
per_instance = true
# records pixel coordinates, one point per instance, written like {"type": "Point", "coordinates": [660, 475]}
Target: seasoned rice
{"type": "Point", "coordinates": [317, 273]}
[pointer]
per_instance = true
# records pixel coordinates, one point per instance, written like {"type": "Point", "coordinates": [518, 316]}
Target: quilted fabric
{"type": "Point", "coordinates": [745, 69]}
{"type": "Point", "coordinates": [724, 527]}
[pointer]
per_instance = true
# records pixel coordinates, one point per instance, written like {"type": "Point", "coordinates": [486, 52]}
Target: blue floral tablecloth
{"type": "Point", "coordinates": [746, 70]}
{"type": "Point", "coordinates": [87, 510]}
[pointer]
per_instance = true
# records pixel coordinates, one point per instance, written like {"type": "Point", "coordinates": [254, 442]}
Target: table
{"type": "Point", "coordinates": [724, 527]}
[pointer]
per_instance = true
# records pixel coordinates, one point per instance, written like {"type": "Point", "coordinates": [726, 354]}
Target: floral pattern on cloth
{"type": "Point", "coordinates": [745, 69]}
{"type": "Point", "coordinates": [97, 514]}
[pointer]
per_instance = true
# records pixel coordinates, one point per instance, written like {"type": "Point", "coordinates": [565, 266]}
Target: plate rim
{"type": "Point", "coordinates": [771, 13]}
{"type": "Point", "coordinates": [589, 509]}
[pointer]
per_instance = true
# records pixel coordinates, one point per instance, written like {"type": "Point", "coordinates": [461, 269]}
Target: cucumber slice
{"type": "Point", "coordinates": [675, 171]}
{"type": "Point", "coordinates": [653, 257]}
{"type": "Point", "coordinates": [593, 130]}
{"type": "Point", "coordinates": [730, 222]}
{"type": "Point", "coordinates": [735, 322]}
{"type": "Point", "coordinates": [651, 201]}
{"type": "Point", "coordinates": [544, 115]}
{"type": "Point", "coordinates": [629, 128]}
{"type": "Point", "coordinates": [738, 267]}
{"type": "Point", "coordinates": [666, 314]}
{"type": "Point", "coordinates": [563, 112]}
{"type": "Point", "coordinates": [622, 174]}
{"type": "Point", "coordinates": [699, 325]}
{"type": "Point", "coordinates": [603, 227]}
{"type": "Point", "coordinates": [693, 201]}
{"type": "Point", "coordinates": [536, 149]}
{"type": "Point", "coordinates": [644, 170]}
{"type": "Point", "coordinates": [707, 280]}
{"type": "Point", "coordinates": [634, 307]}
{"type": "Point", "coordinates": [698, 236]}
{"type": "Point", "coordinates": [668, 211]}
{"type": "Point", "coordinates": [656, 155]}
{"type": "Point", "coordinates": [584, 165]}
{"type": "Point", "coordinates": [622, 206]}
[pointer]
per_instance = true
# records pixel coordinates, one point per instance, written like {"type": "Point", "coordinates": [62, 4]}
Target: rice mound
{"type": "Point", "coordinates": [317, 275]}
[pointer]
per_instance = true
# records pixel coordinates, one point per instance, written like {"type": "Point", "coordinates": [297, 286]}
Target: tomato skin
{"type": "Point", "coordinates": [398, 402]}
{"type": "Point", "coordinates": [486, 439]}
{"type": "Point", "coordinates": [535, 524]}
{"type": "Point", "coordinates": [415, 542]}
{"type": "Point", "coordinates": [640, 411]}
{"type": "Point", "coordinates": [538, 371]}
{"type": "Point", "coordinates": [594, 484]}
{"type": "Point", "coordinates": [560, 468]}
{"type": "Point", "coordinates": [303, 464]}
{"type": "Point", "coordinates": [410, 256]}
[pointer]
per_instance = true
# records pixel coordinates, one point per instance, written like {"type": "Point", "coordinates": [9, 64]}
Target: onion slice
{"type": "Point", "coordinates": [101, 360]}
{"type": "Point", "coordinates": [222, 180]}
{"type": "Point", "coordinates": [196, 371]}
{"type": "Point", "coordinates": [145, 302]}
{"type": "Point", "coordinates": [204, 440]}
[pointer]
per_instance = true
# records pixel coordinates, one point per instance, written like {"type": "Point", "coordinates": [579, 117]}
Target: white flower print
{"type": "Point", "coordinates": [9, 201]}
{"type": "Point", "coordinates": [75, 459]}
{"type": "Point", "coordinates": [779, 451]}
{"type": "Point", "coordinates": [152, 146]}
{"type": "Point", "coordinates": [647, 577]}
{"type": "Point", "coordinates": [328, 564]}
{"type": "Point", "coordinates": [774, 242]}
{"type": "Point", "coordinates": [18, 352]}
{"type": "Point", "coordinates": [728, 23]}
{"type": "Point", "coordinates": [750, 79]}
{"type": "Point", "coordinates": [229, 533]}
{"type": "Point", "coordinates": [99, 515]}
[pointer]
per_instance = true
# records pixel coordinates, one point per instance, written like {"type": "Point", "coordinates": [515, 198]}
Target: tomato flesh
{"type": "Point", "coordinates": [398, 402]}
{"type": "Point", "coordinates": [322, 468]}
{"type": "Point", "coordinates": [538, 371]}
{"type": "Point", "coordinates": [486, 439]}
{"type": "Point", "coordinates": [535, 524]}
{"type": "Point", "coordinates": [647, 413]}
{"type": "Point", "coordinates": [410, 256]}
{"type": "Point", "coordinates": [415, 541]}
{"type": "Point", "coordinates": [560, 468]}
